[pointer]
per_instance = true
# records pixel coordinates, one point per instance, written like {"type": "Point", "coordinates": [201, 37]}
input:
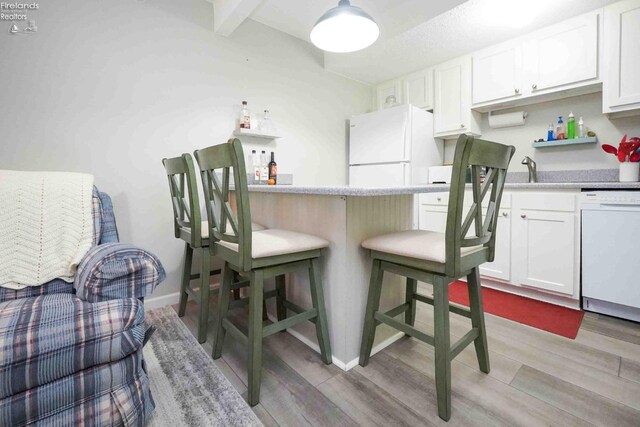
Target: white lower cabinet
{"type": "Point", "coordinates": [537, 240]}
{"type": "Point", "coordinates": [500, 268]}
{"type": "Point", "coordinates": [545, 244]}
{"type": "Point", "coordinates": [544, 250]}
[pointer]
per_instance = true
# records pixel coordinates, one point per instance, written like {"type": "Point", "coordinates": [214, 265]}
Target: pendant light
{"type": "Point", "coordinates": [344, 28]}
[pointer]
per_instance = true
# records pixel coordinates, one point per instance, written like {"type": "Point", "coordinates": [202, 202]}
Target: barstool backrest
{"type": "Point", "coordinates": [186, 204]}
{"type": "Point", "coordinates": [217, 164]}
{"type": "Point", "coordinates": [471, 155]}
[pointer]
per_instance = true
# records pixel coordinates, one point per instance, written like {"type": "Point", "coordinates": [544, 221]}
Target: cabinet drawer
{"type": "Point", "coordinates": [441, 199]}
{"type": "Point", "coordinates": [563, 202]}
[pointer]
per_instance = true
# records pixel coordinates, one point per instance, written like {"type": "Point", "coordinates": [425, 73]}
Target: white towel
{"type": "Point", "coordinates": [46, 226]}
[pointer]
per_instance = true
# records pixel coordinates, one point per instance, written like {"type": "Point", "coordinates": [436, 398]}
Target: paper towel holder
{"type": "Point", "coordinates": [516, 118]}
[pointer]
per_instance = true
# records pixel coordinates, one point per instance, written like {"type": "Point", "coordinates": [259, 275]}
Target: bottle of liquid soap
{"type": "Point", "coordinates": [264, 168]}
{"type": "Point", "coordinates": [245, 117]}
{"type": "Point", "coordinates": [571, 126]}
{"type": "Point", "coordinates": [581, 130]}
{"type": "Point", "coordinates": [273, 170]}
{"type": "Point", "coordinates": [560, 129]}
{"type": "Point", "coordinates": [255, 162]}
{"type": "Point", "coordinates": [550, 133]}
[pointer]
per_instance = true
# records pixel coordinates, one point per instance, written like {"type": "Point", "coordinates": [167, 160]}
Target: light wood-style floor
{"type": "Point", "coordinates": [537, 378]}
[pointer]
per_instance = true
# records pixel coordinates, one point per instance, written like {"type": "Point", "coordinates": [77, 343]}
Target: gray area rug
{"type": "Point", "coordinates": [188, 388]}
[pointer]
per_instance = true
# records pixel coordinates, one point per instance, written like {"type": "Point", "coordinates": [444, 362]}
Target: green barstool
{"type": "Point", "coordinates": [441, 258]}
{"type": "Point", "coordinates": [256, 255]}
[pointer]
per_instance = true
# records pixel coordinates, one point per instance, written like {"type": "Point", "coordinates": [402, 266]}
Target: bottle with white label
{"type": "Point", "coordinates": [255, 162]}
{"type": "Point", "coordinates": [245, 117]}
{"type": "Point", "coordinates": [264, 168]}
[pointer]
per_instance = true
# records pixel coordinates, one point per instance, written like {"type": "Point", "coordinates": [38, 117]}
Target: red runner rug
{"type": "Point", "coordinates": [542, 315]}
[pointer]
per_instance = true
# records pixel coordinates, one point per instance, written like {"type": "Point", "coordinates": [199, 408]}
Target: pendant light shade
{"type": "Point", "coordinates": [344, 28]}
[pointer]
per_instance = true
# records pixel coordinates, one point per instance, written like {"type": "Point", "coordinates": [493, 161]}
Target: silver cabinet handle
{"type": "Point", "coordinates": [461, 126]}
{"type": "Point", "coordinates": [534, 86]}
{"type": "Point", "coordinates": [517, 90]}
{"type": "Point", "coordinates": [439, 199]}
{"type": "Point", "coordinates": [523, 216]}
{"type": "Point", "coordinates": [504, 214]}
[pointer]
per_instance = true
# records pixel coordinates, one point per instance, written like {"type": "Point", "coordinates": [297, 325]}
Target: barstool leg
{"type": "Point", "coordinates": [204, 295]}
{"type": "Point", "coordinates": [223, 308]}
{"type": "Point", "coordinates": [477, 319]}
{"type": "Point", "coordinates": [317, 297]}
{"type": "Point", "coordinates": [373, 302]}
{"type": "Point", "coordinates": [256, 293]}
{"type": "Point", "coordinates": [442, 346]}
{"type": "Point", "coordinates": [412, 288]}
{"type": "Point", "coordinates": [186, 279]}
{"type": "Point", "coordinates": [281, 296]}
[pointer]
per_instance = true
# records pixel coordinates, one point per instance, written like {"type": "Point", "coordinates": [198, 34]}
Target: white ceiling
{"type": "Point", "coordinates": [417, 34]}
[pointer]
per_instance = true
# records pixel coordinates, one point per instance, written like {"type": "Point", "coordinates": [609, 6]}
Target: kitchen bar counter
{"type": "Point", "coordinates": [434, 188]}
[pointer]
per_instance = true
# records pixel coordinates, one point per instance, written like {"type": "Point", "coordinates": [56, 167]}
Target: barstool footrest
{"type": "Point", "coordinates": [235, 331]}
{"type": "Point", "coordinates": [212, 272]}
{"type": "Point", "coordinates": [296, 309]}
{"type": "Point", "coordinates": [403, 327]}
{"type": "Point", "coordinates": [402, 308]}
{"type": "Point", "coordinates": [452, 308]}
{"type": "Point", "coordinates": [288, 322]}
{"type": "Point", "coordinates": [463, 342]}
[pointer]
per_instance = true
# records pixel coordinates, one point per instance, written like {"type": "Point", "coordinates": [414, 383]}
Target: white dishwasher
{"type": "Point", "coordinates": [611, 253]}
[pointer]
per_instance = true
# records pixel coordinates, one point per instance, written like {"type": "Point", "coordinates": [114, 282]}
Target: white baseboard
{"type": "Point", "coordinates": [161, 301]}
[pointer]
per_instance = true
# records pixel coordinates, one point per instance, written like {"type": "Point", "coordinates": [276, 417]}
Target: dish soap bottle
{"type": "Point", "coordinates": [245, 117]}
{"type": "Point", "coordinates": [571, 126]}
{"type": "Point", "coordinates": [560, 129]}
{"type": "Point", "coordinates": [550, 133]}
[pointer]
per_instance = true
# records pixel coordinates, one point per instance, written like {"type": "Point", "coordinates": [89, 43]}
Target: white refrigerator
{"type": "Point", "coordinates": [392, 147]}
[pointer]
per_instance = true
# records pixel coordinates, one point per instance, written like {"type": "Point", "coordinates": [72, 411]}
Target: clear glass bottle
{"type": "Point", "coordinates": [264, 168]}
{"type": "Point", "coordinates": [245, 116]}
{"type": "Point", "coordinates": [266, 125]}
{"type": "Point", "coordinates": [255, 162]}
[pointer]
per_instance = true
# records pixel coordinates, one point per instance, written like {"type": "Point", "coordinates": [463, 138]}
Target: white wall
{"type": "Point", "coordinates": [588, 156]}
{"type": "Point", "coordinates": [111, 88]}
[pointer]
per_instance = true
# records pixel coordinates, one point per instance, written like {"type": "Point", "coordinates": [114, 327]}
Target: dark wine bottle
{"type": "Point", "coordinates": [273, 170]}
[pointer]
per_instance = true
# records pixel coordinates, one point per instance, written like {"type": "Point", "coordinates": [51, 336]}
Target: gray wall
{"type": "Point", "coordinates": [588, 156]}
{"type": "Point", "coordinates": [110, 88]}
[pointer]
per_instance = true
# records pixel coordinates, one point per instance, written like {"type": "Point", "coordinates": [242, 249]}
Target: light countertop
{"type": "Point", "coordinates": [433, 188]}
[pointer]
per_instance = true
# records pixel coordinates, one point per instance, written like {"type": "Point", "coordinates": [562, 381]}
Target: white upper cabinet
{"type": "Point", "coordinates": [564, 55]}
{"type": "Point", "coordinates": [386, 89]}
{"type": "Point", "coordinates": [452, 99]}
{"type": "Point", "coordinates": [621, 80]}
{"type": "Point", "coordinates": [497, 73]}
{"type": "Point", "coordinates": [418, 89]}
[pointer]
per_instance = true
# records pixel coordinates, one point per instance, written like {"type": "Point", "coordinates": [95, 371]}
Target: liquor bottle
{"type": "Point", "coordinates": [264, 168]}
{"type": "Point", "coordinates": [245, 117]}
{"type": "Point", "coordinates": [255, 161]}
{"type": "Point", "coordinates": [273, 170]}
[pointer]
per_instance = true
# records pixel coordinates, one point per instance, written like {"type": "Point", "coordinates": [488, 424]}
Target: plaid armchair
{"type": "Point", "coordinates": [71, 353]}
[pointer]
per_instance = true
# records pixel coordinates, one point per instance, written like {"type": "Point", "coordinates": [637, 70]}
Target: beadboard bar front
{"type": "Point", "coordinates": [345, 221]}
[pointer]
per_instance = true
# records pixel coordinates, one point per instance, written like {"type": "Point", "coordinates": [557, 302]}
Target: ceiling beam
{"type": "Point", "coordinates": [229, 14]}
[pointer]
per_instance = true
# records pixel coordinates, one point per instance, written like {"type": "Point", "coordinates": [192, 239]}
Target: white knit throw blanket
{"type": "Point", "coordinates": [46, 226]}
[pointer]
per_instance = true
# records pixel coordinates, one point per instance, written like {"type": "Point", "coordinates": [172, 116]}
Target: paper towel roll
{"type": "Point", "coordinates": [507, 119]}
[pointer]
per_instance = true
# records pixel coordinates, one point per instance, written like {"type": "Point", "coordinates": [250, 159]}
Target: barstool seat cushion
{"type": "Point", "coordinates": [204, 228]}
{"type": "Point", "coordinates": [273, 242]}
{"type": "Point", "coordinates": [419, 244]}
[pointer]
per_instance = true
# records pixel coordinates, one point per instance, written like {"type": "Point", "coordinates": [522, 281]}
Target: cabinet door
{"type": "Point", "coordinates": [500, 268]}
{"type": "Point", "coordinates": [621, 85]}
{"type": "Point", "coordinates": [433, 218]}
{"type": "Point", "coordinates": [450, 83]}
{"type": "Point", "coordinates": [418, 89]}
{"type": "Point", "coordinates": [497, 73]}
{"type": "Point", "coordinates": [546, 250]}
{"type": "Point", "coordinates": [564, 54]}
{"type": "Point", "coordinates": [387, 89]}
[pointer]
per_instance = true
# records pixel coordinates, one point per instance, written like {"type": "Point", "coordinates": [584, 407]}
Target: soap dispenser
{"type": "Point", "coordinates": [560, 129]}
